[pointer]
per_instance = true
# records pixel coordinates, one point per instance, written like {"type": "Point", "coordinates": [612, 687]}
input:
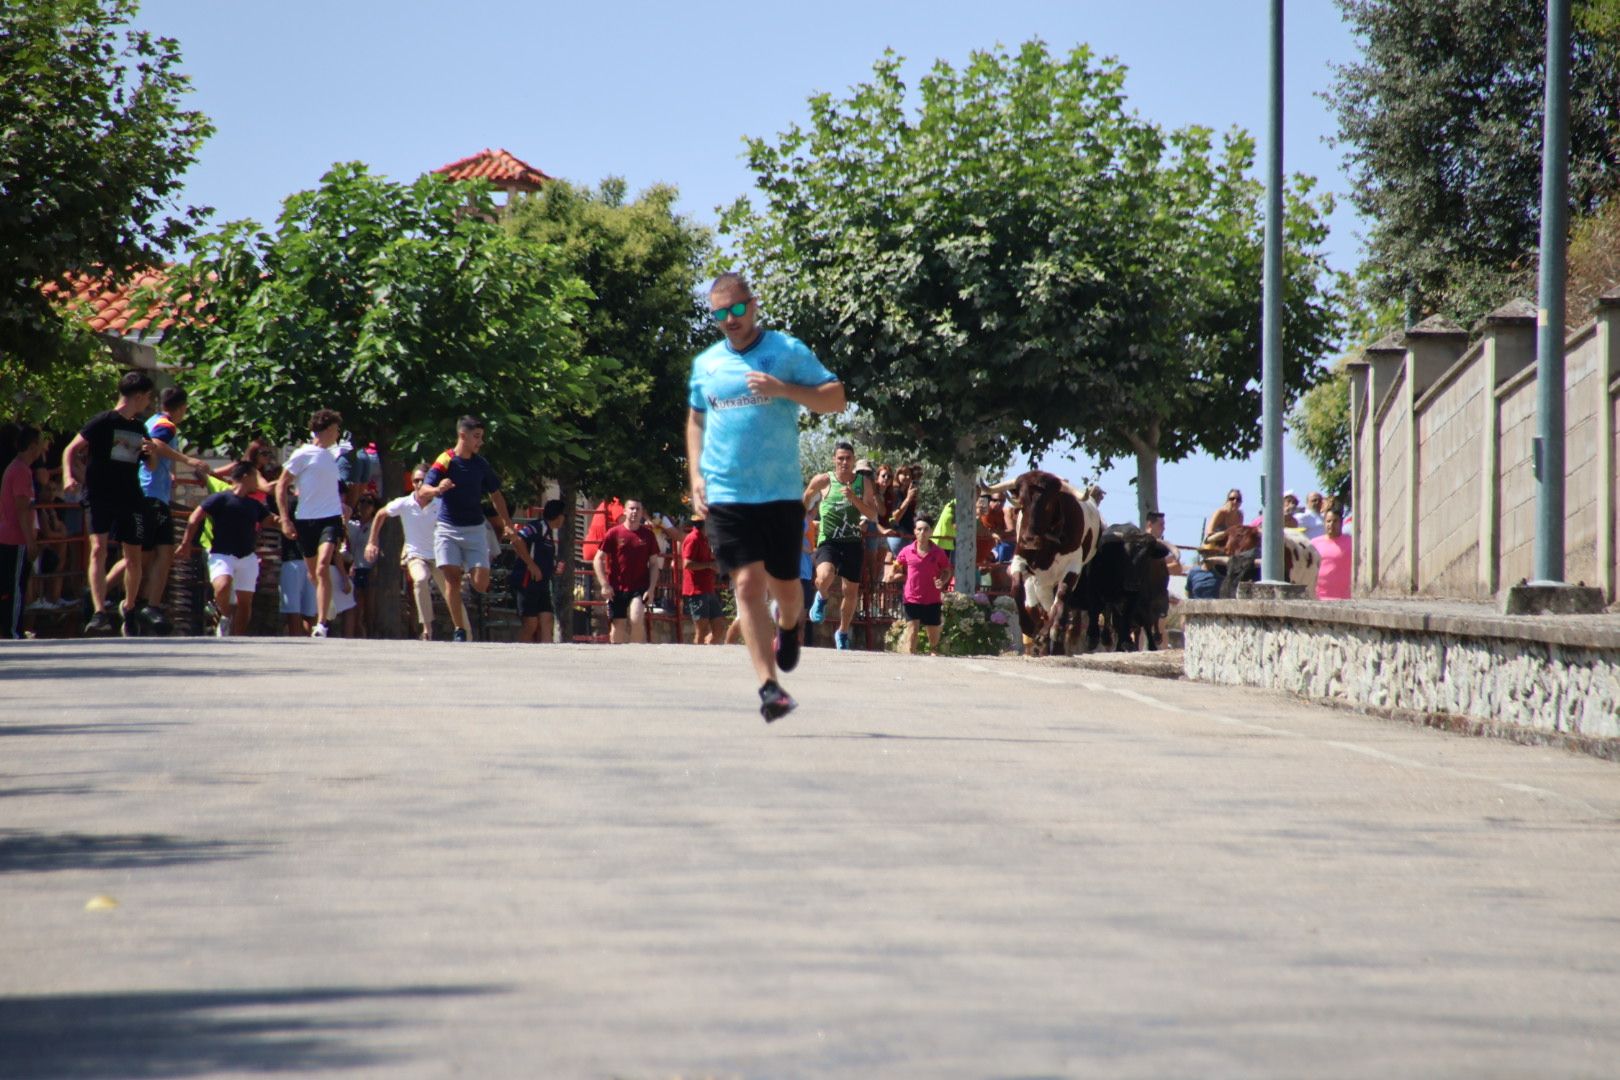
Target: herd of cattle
{"type": "Point", "coordinates": [1074, 579]}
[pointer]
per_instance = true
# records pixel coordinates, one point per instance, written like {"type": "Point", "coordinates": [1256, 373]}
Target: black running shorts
{"type": "Point", "coordinates": [314, 532]}
{"type": "Point", "coordinates": [533, 600]}
{"type": "Point", "coordinates": [745, 533]}
{"type": "Point", "coordinates": [847, 555]}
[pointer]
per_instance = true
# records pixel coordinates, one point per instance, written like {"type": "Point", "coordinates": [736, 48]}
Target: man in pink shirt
{"type": "Point", "coordinates": [926, 568]}
{"type": "Point", "coordinates": [1333, 581]}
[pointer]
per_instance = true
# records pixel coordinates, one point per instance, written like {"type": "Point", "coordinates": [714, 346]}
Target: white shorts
{"type": "Point", "coordinates": [243, 570]}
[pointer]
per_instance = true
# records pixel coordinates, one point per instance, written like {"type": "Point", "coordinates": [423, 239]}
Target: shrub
{"type": "Point", "coordinates": [970, 626]}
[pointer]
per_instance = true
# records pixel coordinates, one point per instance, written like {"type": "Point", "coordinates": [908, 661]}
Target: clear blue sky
{"type": "Point", "coordinates": [659, 92]}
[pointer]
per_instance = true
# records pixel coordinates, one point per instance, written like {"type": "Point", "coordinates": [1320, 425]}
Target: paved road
{"type": "Point", "coordinates": [395, 859]}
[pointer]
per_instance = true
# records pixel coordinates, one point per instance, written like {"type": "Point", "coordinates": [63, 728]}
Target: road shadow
{"type": "Point", "coordinates": [47, 789]}
{"type": "Point", "coordinates": [143, 727]}
{"type": "Point", "coordinates": [923, 738]}
{"type": "Point", "coordinates": [133, 670]}
{"type": "Point", "coordinates": [23, 851]}
{"type": "Point", "coordinates": [192, 1033]}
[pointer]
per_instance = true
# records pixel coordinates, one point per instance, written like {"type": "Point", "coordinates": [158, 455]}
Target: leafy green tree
{"type": "Point", "coordinates": [401, 306]}
{"type": "Point", "coordinates": [91, 157]}
{"type": "Point", "coordinates": [76, 380]}
{"type": "Point", "coordinates": [1320, 426]}
{"type": "Point", "coordinates": [958, 266]}
{"type": "Point", "coordinates": [1194, 330]}
{"type": "Point", "coordinates": [640, 260]}
{"type": "Point", "coordinates": [1441, 122]}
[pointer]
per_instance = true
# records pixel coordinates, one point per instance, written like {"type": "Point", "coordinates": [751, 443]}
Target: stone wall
{"type": "Point", "coordinates": [1553, 675]}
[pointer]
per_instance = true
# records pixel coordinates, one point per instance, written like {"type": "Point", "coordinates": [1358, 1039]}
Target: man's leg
{"type": "Point", "coordinates": [753, 591]}
{"type": "Point", "coordinates": [846, 610]}
{"type": "Point", "coordinates": [908, 641]}
{"type": "Point", "coordinates": [422, 589]}
{"type": "Point", "coordinates": [99, 542]}
{"type": "Point", "coordinates": [452, 599]}
{"type": "Point", "coordinates": [618, 631]}
{"type": "Point", "coordinates": [638, 621]}
{"type": "Point", "coordinates": [320, 572]}
{"type": "Point", "coordinates": [545, 629]}
{"type": "Point", "coordinates": [155, 571]}
{"type": "Point", "coordinates": [132, 576]}
{"type": "Point", "coordinates": [827, 580]}
{"type": "Point", "coordinates": [480, 578]}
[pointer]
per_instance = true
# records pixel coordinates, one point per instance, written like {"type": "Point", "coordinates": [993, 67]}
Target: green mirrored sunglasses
{"type": "Point", "coordinates": [720, 314]}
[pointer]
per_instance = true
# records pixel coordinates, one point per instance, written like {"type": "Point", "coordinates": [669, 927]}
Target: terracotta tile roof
{"type": "Point", "coordinates": [105, 304]}
{"type": "Point", "coordinates": [499, 167]}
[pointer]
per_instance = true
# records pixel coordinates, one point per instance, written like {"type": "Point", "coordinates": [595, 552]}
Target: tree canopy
{"type": "Point", "coordinates": [401, 306]}
{"type": "Point", "coordinates": [1441, 120]}
{"type": "Point", "coordinates": [1005, 258]}
{"type": "Point", "coordinates": [640, 260]}
{"type": "Point", "coordinates": [91, 157]}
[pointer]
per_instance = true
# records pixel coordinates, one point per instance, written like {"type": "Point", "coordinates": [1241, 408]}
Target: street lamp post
{"type": "Point", "coordinates": [1271, 553]}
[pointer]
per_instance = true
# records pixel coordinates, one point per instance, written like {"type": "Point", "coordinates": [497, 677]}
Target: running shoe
{"type": "Point", "coordinates": [818, 608]}
{"type": "Point", "coordinates": [224, 626]}
{"type": "Point", "coordinates": [841, 640]}
{"type": "Point", "coordinates": [459, 635]}
{"type": "Point", "coordinates": [787, 648]}
{"type": "Point", "coordinates": [321, 630]}
{"type": "Point", "coordinates": [100, 623]}
{"type": "Point", "coordinates": [131, 623]}
{"type": "Point", "coordinates": [775, 702]}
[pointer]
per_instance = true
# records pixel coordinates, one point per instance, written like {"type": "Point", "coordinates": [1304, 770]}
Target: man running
{"type": "Point", "coordinates": [627, 565]}
{"type": "Point", "coordinates": [157, 484]}
{"type": "Point", "coordinates": [742, 452]}
{"type": "Point", "coordinates": [535, 545]}
{"type": "Point", "coordinates": [460, 477]}
{"type": "Point", "coordinates": [846, 496]}
{"type": "Point", "coordinates": [416, 512]}
{"type": "Point", "coordinates": [113, 441]}
{"type": "Point", "coordinates": [317, 523]}
{"type": "Point", "coordinates": [233, 558]}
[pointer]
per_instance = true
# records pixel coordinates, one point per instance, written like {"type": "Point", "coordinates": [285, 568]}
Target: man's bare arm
{"type": "Point", "coordinates": [694, 462]}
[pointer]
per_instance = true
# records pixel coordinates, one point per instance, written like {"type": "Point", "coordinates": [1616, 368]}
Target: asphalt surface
{"type": "Point", "coordinates": [396, 859]}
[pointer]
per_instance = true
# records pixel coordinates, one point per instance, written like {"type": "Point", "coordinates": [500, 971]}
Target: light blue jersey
{"type": "Point", "coordinates": [751, 443]}
{"type": "Point", "coordinates": [157, 476]}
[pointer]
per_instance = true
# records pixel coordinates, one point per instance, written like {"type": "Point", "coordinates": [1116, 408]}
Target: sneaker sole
{"type": "Point", "coordinates": [777, 710]}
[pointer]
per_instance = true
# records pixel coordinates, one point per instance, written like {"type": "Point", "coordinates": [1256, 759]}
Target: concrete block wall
{"type": "Point", "coordinates": [1443, 459]}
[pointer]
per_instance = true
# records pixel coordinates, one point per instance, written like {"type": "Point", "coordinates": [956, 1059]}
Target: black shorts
{"type": "Point", "coordinates": [362, 577]}
{"type": "Point", "coordinates": [317, 531]}
{"type": "Point", "coordinates": [619, 605]}
{"type": "Point", "coordinates": [155, 525]}
{"type": "Point", "coordinates": [847, 555]}
{"type": "Point", "coordinates": [533, 600]}
{"type": "Point", "coordinates": [120, 521]}
{"type": "Point", "coordinates": [927, 614]}
{"type": "Point", "coordinates": [704, 606]}
{"type": "Point", "coordinates": [744, 533]}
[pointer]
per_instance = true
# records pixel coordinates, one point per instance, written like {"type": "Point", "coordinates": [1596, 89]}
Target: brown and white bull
{"type": "Point", "coordinates": [1301, 561]}
{"type": "Point", "coordinates": [1057, 530]}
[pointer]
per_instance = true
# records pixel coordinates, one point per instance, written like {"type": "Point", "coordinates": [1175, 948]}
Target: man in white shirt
{"type": "Point", "coordinates": [317, 524]}
{"type": "Point", "coordinates": [1311, 519]}
{"type": "Point", "coordinates": [417, 512]}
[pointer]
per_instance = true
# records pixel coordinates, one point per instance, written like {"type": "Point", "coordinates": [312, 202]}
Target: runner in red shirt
{"type": "Point", "coordinates": [627, 565]}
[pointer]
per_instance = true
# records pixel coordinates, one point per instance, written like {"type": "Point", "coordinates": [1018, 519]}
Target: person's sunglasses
{"type": "Point", "coordinates": [721, 314]}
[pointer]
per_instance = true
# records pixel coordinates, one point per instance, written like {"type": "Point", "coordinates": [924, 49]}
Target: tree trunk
{"type": "Point", "coordinates": [1146, 445]}
{"type": "Point", "coordinates": [963, 477]}
{"type": "Point", "coordinates": [385, 576]}
{"type": "Point", "coordinates": [563, 587]}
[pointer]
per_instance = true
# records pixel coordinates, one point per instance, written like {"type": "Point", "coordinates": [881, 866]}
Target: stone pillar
{"type": "Point", "coordinates": [1510, 347]}
{"type": "Point", "coordinates": [1432, 346]}
{"type": "Point", "coordinates": [1360, 483]}
{"type": "Point", "coordinates": [1384, 358]}
{"type": "Point", "coordinates": [1608, 343]}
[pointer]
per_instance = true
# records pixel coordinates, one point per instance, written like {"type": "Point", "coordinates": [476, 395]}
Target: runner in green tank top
{"type": "Point", "coordinates": [846, 497]}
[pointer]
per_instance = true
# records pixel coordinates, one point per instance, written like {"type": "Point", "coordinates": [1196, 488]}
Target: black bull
{"type": "Point", "coordinates": [1127, 581]}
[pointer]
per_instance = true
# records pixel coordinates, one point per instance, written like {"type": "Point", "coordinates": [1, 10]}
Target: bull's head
{"type": "Point", "coordinates": [1042, 512]}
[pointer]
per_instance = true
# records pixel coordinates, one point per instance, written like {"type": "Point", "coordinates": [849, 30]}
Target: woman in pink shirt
{"type": "Point", "coordinates": [926, 569]}
{"type": "Point", "coordinates": [19, 534]}
{"type": "Point", "coordinates": [1333, 580]}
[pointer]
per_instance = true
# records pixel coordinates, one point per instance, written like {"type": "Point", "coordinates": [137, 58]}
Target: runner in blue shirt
{"type": "Point", "coordinates": [742, 452]}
